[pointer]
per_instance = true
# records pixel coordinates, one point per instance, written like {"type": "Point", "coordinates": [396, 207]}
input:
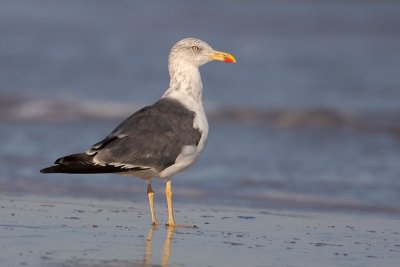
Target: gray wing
{"type": "Point", "coordinates": [152, 137]}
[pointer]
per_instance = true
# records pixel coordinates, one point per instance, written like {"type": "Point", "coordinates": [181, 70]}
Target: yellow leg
{"type": "Point", "coordinates": [150, 194]}
{"type": "Point", "coordinates": [168, 194]}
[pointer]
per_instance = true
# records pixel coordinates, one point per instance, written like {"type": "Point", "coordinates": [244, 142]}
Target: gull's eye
{"type": "Point", "coordinates": [195, 48]}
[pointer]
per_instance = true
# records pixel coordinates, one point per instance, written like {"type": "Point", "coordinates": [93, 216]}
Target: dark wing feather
{"type": "Point", "coordinates": [152, 137]}
{"type": "Point", "coordinates": [82, 163]}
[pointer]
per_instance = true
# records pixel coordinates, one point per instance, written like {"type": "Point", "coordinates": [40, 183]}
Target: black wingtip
{"type": "Point", "coordinates": [49, 169]}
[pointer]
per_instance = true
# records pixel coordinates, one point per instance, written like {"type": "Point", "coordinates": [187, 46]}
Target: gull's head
{"type": "Point", "coordinates": [196, 52]}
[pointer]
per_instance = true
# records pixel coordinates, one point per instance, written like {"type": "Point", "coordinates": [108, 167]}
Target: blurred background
{"type": "Point", "coordinates": [308, 118]}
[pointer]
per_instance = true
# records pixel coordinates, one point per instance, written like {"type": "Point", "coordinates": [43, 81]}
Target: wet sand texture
{"type": "Point", "coordinates": [42, 231]}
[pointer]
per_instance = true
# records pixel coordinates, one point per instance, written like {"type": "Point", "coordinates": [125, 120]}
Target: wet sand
{"type": "Point", "coordinates": [44, 231]}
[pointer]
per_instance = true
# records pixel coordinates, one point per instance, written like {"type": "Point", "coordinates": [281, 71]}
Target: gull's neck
{"type": "Point", "coordinates": [185, 83]}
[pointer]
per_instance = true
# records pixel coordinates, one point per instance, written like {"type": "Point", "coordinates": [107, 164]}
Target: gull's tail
{"type": "Point", "coordinates": [80, 164]}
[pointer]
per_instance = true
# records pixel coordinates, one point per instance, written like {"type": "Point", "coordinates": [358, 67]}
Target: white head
{"type": "Point", "coordinates": [196, 53]}
{"type": "Point", "coordinates": [185, 58]}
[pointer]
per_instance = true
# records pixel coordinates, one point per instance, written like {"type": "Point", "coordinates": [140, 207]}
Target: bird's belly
{"type": "Point", "coordinates": [186, 158]}
{"type": "Point", "coordinates": [144, 174]}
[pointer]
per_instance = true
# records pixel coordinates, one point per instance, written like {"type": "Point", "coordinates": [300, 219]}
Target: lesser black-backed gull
{"type": "Point", "coordinates": [160, 140]}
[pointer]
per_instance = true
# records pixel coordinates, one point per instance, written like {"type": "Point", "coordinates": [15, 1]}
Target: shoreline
{"type": "Point", "coordinates": [135, 193]}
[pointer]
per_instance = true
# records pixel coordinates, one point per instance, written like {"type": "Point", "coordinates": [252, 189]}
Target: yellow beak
{"type": "Point", "coordinates": [222, 56]}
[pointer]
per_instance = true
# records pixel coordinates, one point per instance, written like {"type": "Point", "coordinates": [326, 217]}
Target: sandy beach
{"type": "Point", "coordinates": [45, 231]}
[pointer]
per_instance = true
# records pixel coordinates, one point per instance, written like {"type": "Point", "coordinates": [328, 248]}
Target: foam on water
{"type": "Point", "coordinates": [59, 110]}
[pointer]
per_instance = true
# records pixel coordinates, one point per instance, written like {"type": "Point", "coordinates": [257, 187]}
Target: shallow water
{"type": "Point", "coordinates": [309, 117]}
{"type": "Point", "coordinates": [242, 165]}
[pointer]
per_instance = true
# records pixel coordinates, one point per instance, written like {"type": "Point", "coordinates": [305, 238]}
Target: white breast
{"type": "Point", "coordinates": [200, 122]}
{"type": "Point", "coordinates": [189, 154]}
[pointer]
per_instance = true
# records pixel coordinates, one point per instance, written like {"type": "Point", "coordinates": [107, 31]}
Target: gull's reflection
{"type": "Point", "coordinates": [167, 247]}
{"type": "Point", "coordinates": [147, 255]}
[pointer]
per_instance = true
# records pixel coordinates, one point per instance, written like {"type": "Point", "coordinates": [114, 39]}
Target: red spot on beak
{"type": "Point", "coordinates": [228, 59]}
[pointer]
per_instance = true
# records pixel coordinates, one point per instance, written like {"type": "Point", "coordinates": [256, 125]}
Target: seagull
{"type": "Point", "coordinates": [160, 140]}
